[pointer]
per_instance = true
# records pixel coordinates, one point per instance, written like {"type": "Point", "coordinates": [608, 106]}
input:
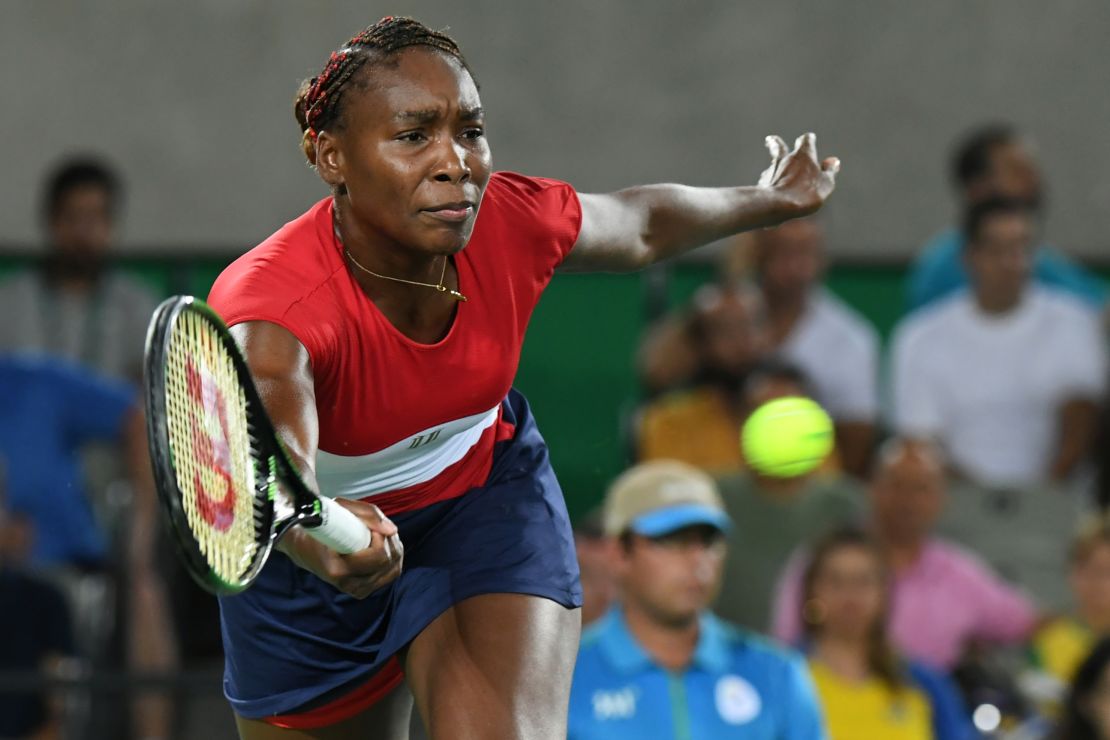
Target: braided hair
{"type": "Point", "coordinates": [318, 104]}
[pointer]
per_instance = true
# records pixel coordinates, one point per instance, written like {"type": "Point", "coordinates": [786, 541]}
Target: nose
{"type": "Point", "coordinates": [451, 165]}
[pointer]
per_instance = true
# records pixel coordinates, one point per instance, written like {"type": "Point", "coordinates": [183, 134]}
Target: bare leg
{"type": "Point", "coordinates": [386, 720]}
{"type": "Point", "coordinates": [495, 666]}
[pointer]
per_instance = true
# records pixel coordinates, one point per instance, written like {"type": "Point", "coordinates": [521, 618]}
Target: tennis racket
{"type": "Point", "coordinates": [228, 488]}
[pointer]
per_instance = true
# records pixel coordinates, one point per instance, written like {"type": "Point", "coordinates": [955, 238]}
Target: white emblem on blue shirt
{"type": "Point", "coordinates": [619, 704]}
{"type": "Point", "coordinates": [737, 700]}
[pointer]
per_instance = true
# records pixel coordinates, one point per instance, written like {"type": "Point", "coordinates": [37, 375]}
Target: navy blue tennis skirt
{"type": "Point", "coordinates": [293, 641]}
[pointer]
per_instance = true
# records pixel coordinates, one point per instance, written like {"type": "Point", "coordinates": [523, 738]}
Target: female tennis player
{"type": "Point", "coordinates": [383, 328]}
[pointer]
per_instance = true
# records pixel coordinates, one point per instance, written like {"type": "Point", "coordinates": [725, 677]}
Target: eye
{"type": "Point", "coordinates": [411, 136]}
{"type": "Point", "coordinates": [474, 133]}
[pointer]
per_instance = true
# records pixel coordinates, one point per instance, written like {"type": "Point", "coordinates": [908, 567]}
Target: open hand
{"type": "Point", "coordinates": [804, 180]}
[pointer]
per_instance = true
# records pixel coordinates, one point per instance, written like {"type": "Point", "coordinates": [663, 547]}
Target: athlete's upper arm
{"type": "Point", "coordinates": [610, 238]}
{"type": "Point", "coordinates": [282, 372]}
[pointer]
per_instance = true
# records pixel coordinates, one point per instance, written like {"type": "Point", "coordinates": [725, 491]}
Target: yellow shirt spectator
{"type": "Point", "coordinates": [1060, 646]}
{"type": "Point", "coordinates": [854, 711]}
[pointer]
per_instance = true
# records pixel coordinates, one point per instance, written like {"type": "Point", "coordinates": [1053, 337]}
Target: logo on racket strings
{"type": "Point", "coordinates": [213, 452]}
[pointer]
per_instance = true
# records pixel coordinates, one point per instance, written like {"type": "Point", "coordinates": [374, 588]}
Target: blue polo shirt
{"type": "Point", "coordinates": [737, 686]}
{"type": "Point", "coordinates": [48, 410]}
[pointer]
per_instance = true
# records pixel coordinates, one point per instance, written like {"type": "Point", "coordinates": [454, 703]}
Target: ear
{"type": "Point", "coordinates": [329, 159]}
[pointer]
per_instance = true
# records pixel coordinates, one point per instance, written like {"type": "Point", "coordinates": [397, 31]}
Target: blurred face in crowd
{"type": "Point", "coordinates": [763, 388]}
{"type": "Point", "coordinates": [907, 494]}
{"type": "Point", "coordinates": [81, 226]}
{"type": "Point", "coordinates": [599, 586]}
{"type": "Point", "coordinates": [672, 578]}
{"type": "Point", "coordinates": [999, 259]}
{"type": "Point", "coordinates": [848, 593]}
{"type": "Point", "coordinates": [729, 330]}
{"type": "Point", "coordinates": [1013, 173]}
{"type": "Point", "coordinates": [789, 259]}
{"type": "Point", "coordinates": [1090, 584]}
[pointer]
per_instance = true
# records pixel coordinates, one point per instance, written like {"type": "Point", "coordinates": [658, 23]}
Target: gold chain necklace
{"type": "Point", "coordinates": [437, 286]}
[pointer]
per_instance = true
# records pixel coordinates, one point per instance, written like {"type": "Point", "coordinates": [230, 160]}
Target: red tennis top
{"type": "Point", "coordinates": [404, 423]}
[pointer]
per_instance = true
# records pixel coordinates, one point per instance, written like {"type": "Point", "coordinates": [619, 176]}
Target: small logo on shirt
{"type": "Point", "coordinates": [737, 700]}
{"type": "Point", "coordinates": [424, 439]}
{"type": "Point", "coordinates": [620, 704]}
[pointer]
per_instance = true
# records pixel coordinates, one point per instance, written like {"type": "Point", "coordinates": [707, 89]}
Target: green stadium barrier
{"type": "Point", "coordinates": [577, 365]}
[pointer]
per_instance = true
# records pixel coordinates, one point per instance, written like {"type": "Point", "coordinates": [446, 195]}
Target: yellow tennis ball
{"type": "Point", "coordinates": [787, 437]}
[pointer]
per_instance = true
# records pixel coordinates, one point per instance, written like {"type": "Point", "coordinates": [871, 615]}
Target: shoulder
{"type": "Point", "coordinates": [755, 650]}
{"type": "Point", "coordinates": [1061, 306]}
{"type": "Point", "coordinates": [680, 405]}
{"type": "Point", "coordinates": [547, 202]}
{"type": "Point", "coordinates": [20, 284]}
{"type": "Point", "coordinates": [126, 287]}
{"type": "Point", "coordinates": [931, 322]}
{"type": "Point", "coordinates": [847, 325]}
{"type": "Point", "coordinates": [280, 273]}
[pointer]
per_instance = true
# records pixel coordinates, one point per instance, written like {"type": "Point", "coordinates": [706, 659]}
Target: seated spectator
{"type": "Point", "coordinates": [1005, 377]}
{"type": "Point", "coordinates": [1061, 645]}
{"type": "Point", "coordinates": [774, 516]}
{"type": "Point", "coordinates": [36, 631]}
{"type": "Point", "coordinates": [994, 161]}
{"type": "Point", "coordinates": [835, 347]}
{"type": "Point", "coordinates": [661, 665]}
{"type": "Point", "coordinates": [1087, 712]}
{"type": "Point", "coordinates": [76, 307]}
{"type": "Point", "coordinates": [599, 585]}
{"type": "Point", "coordinates": [701, 425]}
{"type": "Point", "coordinates": [943, 598]}
{"type": "Point", "coordinates": [48, 409]}
{"type": "Point", "coordinates": [865, 687]}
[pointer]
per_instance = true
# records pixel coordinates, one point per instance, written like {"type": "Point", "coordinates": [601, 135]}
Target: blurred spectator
{"type": "Point", "coordinates": [1005, 377]}
{"type": "Point", "coordinates": [36, 624]}
{"type": "Point", "coordinates": [1087, 713]}
{"type": "Point", "coordinates": [836, 348]}
{"type": "Point", "coordinates": [661, 665]}
{"type": "Point", "coordinates": [866, 688]}
{"type": "Point", "coordinates": [943, 598]}
{"type": "Point", "coordinates": [48, 409]}
{"type": "Point", "coordinates": [994, 161]}
{"type": "Point", "coordinates": [1061, 645]}
{"type": "Point", "coordinates": [773, 516]}
{"type": "Point", "coordinates": [599, 586]}
{"type": "Point", "coordinates": [701, 425]}
{"type": "Point", "coordinates": [76, 307]}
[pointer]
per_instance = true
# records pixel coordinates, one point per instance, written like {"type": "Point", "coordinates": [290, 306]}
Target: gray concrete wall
{"type": "Point", "coordinates": [192, 99]}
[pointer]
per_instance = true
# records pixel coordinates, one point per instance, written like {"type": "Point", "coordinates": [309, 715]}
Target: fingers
{"type": "Point", "coordinates": [807, 144]}
{"type": "Point", "coordinates": [831, 165]}
{"type": "Point", "coordinates": [776, 146]}
{"type": "Point", "coordinates": [371, 516]}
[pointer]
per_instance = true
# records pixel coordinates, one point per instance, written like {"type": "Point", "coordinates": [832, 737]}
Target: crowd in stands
{"type": "Point", "coordinates": [944, 574]}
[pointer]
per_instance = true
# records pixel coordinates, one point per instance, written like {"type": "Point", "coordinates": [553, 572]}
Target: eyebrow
{"type": "Point", "coordinates": [430, 115]}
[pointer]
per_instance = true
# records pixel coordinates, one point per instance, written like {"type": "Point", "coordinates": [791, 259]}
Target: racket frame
{"type": "Point", "coordinates": [273, 468]}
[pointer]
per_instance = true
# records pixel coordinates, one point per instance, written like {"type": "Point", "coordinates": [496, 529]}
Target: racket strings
{"type": "Point", "coordinates": [212, 442]}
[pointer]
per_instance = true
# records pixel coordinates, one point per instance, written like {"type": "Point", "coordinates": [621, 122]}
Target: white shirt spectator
{"type": "Point", "coordinates": [838, 350]}
{"type": "Point", "coordinates": [988, 387]}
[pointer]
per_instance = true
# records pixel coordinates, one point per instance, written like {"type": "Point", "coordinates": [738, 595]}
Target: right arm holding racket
{"type": "Point", "coordinates": [233, 431]}
{"type": "Point", "coordinates": [283, 375]}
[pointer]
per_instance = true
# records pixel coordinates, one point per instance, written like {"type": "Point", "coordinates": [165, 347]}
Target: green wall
{"type": "Point", "coordinates": [577, 364]}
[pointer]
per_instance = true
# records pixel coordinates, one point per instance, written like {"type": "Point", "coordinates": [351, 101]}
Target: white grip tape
{"type": "Point", "coordinates": [340, 530]}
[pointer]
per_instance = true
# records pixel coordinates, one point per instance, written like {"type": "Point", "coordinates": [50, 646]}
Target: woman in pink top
{"type": "Point", "coordinates": [943, 597]}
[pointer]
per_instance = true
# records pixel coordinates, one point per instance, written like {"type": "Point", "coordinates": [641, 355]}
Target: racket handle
{"type": "Point", "coordinates": [340, 530]}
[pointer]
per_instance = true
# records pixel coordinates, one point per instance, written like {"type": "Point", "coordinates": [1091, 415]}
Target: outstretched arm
{"type": "Point", "coordinates": [633, 228]}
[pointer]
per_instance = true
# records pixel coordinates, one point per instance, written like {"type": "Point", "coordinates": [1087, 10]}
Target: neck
{"type": "Point", "coordinates": [779, 488]}
{"type": "Point", "coordinates": [670, 645]}
{"type": "Point", "coordinates": [844, 656]}
{"type": "Point", "coordinates": [1097, 622]}
{"type": "Point", "coordinates": [385, 257]}
{"type": "Point", "coordinates": [997, 305]}
{"type": "Point", "coordinates": [783, 312]}
{"type": "Point", "coordinates": [901, 552]}
{"type": "Point", "coordinates": [71, 276]}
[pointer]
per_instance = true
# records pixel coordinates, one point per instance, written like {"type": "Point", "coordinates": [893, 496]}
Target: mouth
{"type": "Point", "coordinates": [456, 212]}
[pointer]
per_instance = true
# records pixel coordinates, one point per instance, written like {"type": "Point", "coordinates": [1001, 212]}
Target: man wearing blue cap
{"type": "Point", "coordinates": [660, 665]}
